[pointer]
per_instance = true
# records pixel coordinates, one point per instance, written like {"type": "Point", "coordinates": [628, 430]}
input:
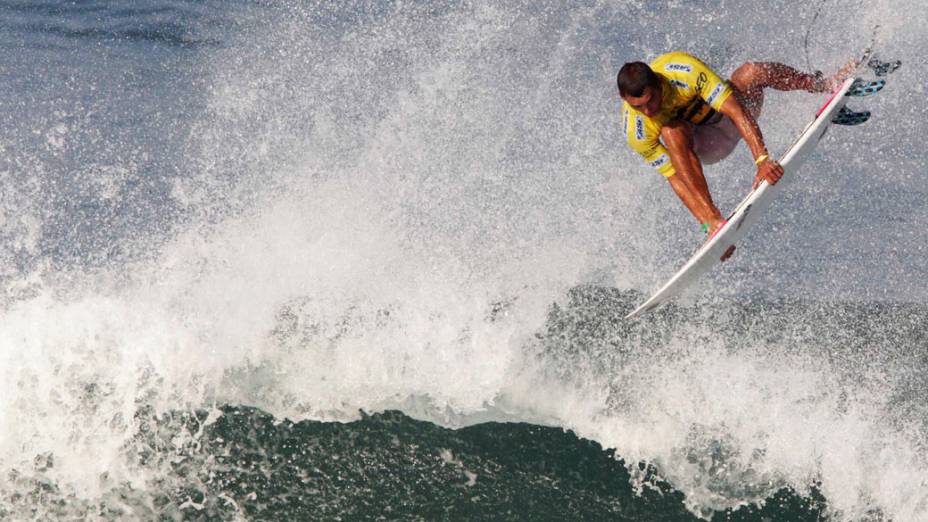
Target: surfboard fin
{"type": "Point", "coordinates": [865, 88]}
{"type": "Point", "coordinates": [848, 117]}
{"type": "Point", "coordinates": [881, 68]}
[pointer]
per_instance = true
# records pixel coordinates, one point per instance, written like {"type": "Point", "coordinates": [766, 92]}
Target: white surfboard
{"type": "Point", "coordinates": [747, 213]}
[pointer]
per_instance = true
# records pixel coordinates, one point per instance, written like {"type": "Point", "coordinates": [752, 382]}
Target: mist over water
{"type": "Point", "coordinates": [316, 210]}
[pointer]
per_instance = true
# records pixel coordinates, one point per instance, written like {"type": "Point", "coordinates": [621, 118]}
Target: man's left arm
{"type": "Point", "coordinates": [767, 168]}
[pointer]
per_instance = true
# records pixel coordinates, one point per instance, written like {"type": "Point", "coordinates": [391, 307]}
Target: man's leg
{"type": "Point", "coordinates": [689, 182]}
{"type": "Point", "coordinates": [753, 77]}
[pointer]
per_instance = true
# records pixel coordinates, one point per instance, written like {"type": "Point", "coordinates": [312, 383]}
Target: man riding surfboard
{"type": "Point", "coordinates": [679, 114]}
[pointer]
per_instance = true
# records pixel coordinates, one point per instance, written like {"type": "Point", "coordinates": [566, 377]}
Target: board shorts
{"type": "Point", "coordinates": [714, 140]}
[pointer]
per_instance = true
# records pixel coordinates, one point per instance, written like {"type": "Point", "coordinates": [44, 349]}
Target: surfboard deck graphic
{"type": "Point", "coordinates": [747, 213]}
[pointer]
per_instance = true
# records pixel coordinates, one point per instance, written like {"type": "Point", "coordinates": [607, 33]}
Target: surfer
{"type": "Point", "coordinates": [679, 114]}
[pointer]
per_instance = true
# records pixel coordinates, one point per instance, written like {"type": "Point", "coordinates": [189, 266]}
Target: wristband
{"type": "Point", "coordinates": [760, 159]}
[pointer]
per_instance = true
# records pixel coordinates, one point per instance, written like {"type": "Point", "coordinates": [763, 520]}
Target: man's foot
{"type": "Point", "coordinates": [829, 84]}
{"type": "Point", "coordinates": [714, 228]}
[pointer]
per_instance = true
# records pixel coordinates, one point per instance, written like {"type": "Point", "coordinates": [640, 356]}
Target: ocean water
{"type": "Point", "coordinates": [370, 261]}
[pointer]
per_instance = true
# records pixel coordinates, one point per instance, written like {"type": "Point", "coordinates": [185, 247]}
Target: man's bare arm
{"type": "Point", "coordinates": [768, 168]}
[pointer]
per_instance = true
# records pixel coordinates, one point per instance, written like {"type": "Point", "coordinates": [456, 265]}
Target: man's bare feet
{"type": "Point", "coordinates": [829, 84]}
{"type": "Point", "coordinates": [714, 229]}
{"type": "Point", "coordinates": [715, 226]}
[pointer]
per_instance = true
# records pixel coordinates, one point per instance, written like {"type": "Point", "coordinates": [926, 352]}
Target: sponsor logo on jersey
{"type": "Point", "coordinates": [678, 83]}
{"type": "Point", "coordinates": [715, 93]}
{"type": "Point", "coordinates": [678, 67]}
{"type": "Point", "coordinates": [660, 162]}
{"type": "Point", "coordinates": [639, 127]}
{"type": "Point", "coordinates": [701, 81]}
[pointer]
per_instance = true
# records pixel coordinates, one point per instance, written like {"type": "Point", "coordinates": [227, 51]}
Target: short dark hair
{"type": "Point", "coordinates": [634, 77]}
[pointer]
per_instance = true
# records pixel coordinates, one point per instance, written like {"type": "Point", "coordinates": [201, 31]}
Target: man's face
{"type": "Point", "coordinates": [649, 102]}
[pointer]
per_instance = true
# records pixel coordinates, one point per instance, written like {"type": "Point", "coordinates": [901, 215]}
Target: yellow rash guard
{"type": "Point", "coordinates": [691, 91]}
